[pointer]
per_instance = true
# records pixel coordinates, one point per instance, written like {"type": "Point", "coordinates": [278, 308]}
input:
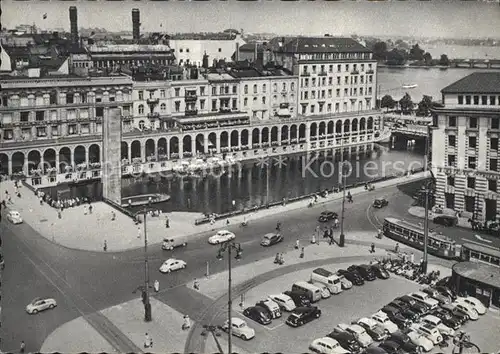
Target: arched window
{"type": "Point", "coordinates": [246, 89]}
{"type": "Point", "coordinates": [141, 109]}
{"type": "Point", "coordinates": [292, 86]}
{"type": "Point", "coordinates": [275, 87]}
{"type": "Point", "coordinates": [141, 124]}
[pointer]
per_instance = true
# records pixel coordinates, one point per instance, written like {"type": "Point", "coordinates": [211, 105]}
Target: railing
{"type": "Point", "coordinates": [153, 100]}
{"type": "Point", "coordinates": [191, 112]}
{"type": "Point", "coordinates": [154, 115]}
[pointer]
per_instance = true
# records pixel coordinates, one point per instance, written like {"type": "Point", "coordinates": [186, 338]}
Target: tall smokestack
{"type": "Point", "coordinates": [136, 24]}
{"type": "Point", "coordinates": [73, 20]}
{"type": "Point", "coordinates": [237, 53]}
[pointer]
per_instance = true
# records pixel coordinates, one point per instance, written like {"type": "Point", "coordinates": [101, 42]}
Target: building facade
{"type": "Point", "coordinates": [465, 148]}
{"type": "Point", "coordinates": [115, 55]}
{"type": "Point", "coordinates": [336, 75]}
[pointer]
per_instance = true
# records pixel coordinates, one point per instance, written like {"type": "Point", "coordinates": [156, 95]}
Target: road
{"type": "Point", "coordinates": [84, 282]}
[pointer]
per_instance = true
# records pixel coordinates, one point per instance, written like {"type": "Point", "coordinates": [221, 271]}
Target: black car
{"type": "Point", "coordinates": [380, 203]}
{"type": "Point", "coordinates": [390, 311]}
{"type": "Point", "coordinates": [392, 347]}
{"type": "Point", "coordinates": [400, 320]}
{"type": "Point", "coordinates": [374, 350]}
{"type": "Point", "coordinates": [302, 315]}
{"type": "Point", "coordinates": [414, 305]}
{"type": "Point", "coordinates": [299, 299]}
{"type": "Point", "coordinates": [451, 320]}
{"type": "Point", "coordinates": [326, 216]}
{"type": "Point", "coordinates": [258, 314]}
{"type": "Point", "coordinates": [446, 291]}
{"type": "Point", "coordinates": [271, 239]}
{"type": "Point", "coordinates": [353, 277]}
{"type": "Point", "coordinates": [380, 272]}
{"type": "Point", "coordinates": [405, 341]}
{"type": "Point", "coordinates": [346, 341]}
{"type": "Point", "coordinates": [462, 317]}
{"type": "Point", "coordinates": [400, 305]}
{"type": "Point", "coordinates": [364, 271]}
{"type": "Point", "coordinates": [444, 282]}
{"type": "Point", "coordinates": [446, 220]}
{"type": "Point", "coordinates": [410, 315]}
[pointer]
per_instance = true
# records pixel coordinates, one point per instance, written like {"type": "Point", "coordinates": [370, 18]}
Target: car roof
{"type": "Point", "coordinates": [270, 234]}
{"type": "Point", "coordinates": [328, 340]}
{"type": "Point", "coordinates": [356, 328]}
{"type": "Point", "coordinates": [304, 309]}
{"type": "Point", "coordinates": [237, 321]}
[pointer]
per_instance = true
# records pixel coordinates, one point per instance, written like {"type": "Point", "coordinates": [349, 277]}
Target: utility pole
{"type": "Point", "coordinates": [342, 214]}
{"type": "Point", "coordinates": [147, 304]}
{"type": "Point", "coordinates": [268, 171]}
{"type": "Point", "coordinates": [426, 229]}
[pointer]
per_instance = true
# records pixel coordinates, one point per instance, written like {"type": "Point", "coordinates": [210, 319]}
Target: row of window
{"type": "Point", "coordinates": [473, 123]}
{"type": "Point", "coordinates": [479, 100]}
{"type": "Point", "coordinates": [312, 108]}
{"type": "Point", "coordinates": [330, 56]}
{"type": "Point", "coordinates": [452, 142]}
{"type": "Point", "coordinates": [182, 50]}
{"type": "Point", "coordinates": [348, 80]}
{"type": "Point", "coordinates": [471, 183]}
{"type": "Point", "coordinates": [54, 130]}
{"type": "Point", "coordinates": [53, 99]}
{"type": "Point", "coordinates": [264, 88]}
{"type": "Point", "coordinates": [322, 68]}
{"type": "Point", "coordinates": [347, 92]}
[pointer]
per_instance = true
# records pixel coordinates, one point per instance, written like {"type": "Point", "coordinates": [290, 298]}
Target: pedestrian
{"type": "Point", "coordinates": [372, 250]}
{"type": "Point", "coordinates": [313, 239]}
{"type": "Point", "coordinates": [227, 222]}
{"type": "Point", "coordinates": [277, 258]}
{"type": "Point", "coordinates": [412, 258]}
{"type": "Point", "coordinates": [9, 199]}
{"type": "Point", "coordinates": [187, 323]}
{"type": "Point", "coordinates": [105, 247]}
{"type": "Point", "coordinates": [129, 203]}
{"type": "Point", "coordinates": [331, 240]}
{"type": "Point", "coordinates": [282, 260]}
{"type": "Point", "coordinates": [59, 214]}
{"type": "Point", "coordinates": [90, 208]}
{"type": "Point", "coordinates": [301, 253]}
{"type": "Point", "coordinates": [148, 342]}
{"type": "Point", "coordinates": [396, 248]}
{"type": "Point", "coordinates": [278, 226]}
{"type": "Point", "coordinates": [349, 197]}
{"type": "Point", "coordinates": [84, 210]}
{"type": "Point", "coordinates": [405, 257]}
{"type": "Point", "coordinates": [233, 203]}
{"type": "Point", "coordinates": [167, 222]}
{"type": "Point", "coordinates": [297, 244]}
{"type": "Point", "coordinates": [138, 232]}
{"type": "Point", "coordinates": [22, 347]}
{"type": "Point", "coordinates": [196, 285]}
{"type": "Point", "coordinates": [336, 222]}
{"type": "Point", "coordinates": [157, 285]}
{"type": "Point", "coordinates": [113, 216]}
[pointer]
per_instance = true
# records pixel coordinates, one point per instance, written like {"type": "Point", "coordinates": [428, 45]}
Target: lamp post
{"type": "Point", "coordinates": [145, 290]}
{"type": "Point", "coordinates": [268, 171]}
{"type": "Point", "coordinates": [228, 247]}
{"type": "Point", "coordinates": [426, 229]}
{"type": "Point", "coordinates": [343, 181]}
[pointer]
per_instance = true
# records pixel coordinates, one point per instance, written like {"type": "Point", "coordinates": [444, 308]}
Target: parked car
{"type": "Point", "coordinates": [329, 279]}
{"type": "Point", "coordinates": [325, 293]}
{"type": "Point", "coordinates": [473, 302]}
{"type": "Point", "coordinates": [464, 308]}
{"type": "Point", "coordinates": [327, 345]}
{"type": "Point", "coordinates": [423, 343]}
{"type": "Point", "coordinates": [326, 216]}
{"type": "Point", "coordinates": [446, 220]}
{"type": "Point", "coordinates": [258, 314]}
{"type": "Point", "coordinates": [239, 328]}
{"type": "Point", "coordinates": [448, 319]}
{"type": "Point", "coordinates": [424, 298]}
{"type": "Point", "coordinates": [221, 236]}
{"type": "Point", "coordinates": [346, 340]}
{"type": "Point", "coordinates": [363, 270]}
{"type": "Point", "coordinates": [374, 350]}
{"type": "Point", "coordinates": [390, 311]}
{"type": "Point", "coordinates": [346, 284]}
{"type": "Point", "coordinates": [353, 277]}
{"type": "Point", "coordinates": [415, 307]}
{"type": "Point", "coordinates": [441, 298]}
{"type": "Point", "coordinates": [374, 330]}
{"type": "Point", "coordinates": [401, 321]}
{"type": "Point", "coordinates": [380, 203]}
{"type": "Point", "coordinates": [446, 291]}
{"type": "Point", "coordinates": [172, 264]}
{"type": "Point", "coordinates": [403, 340]}
{"type": "Point", "coordinates": [428, 331]}
{"type": "Point", "coordinates": [285, 302]}
{"type": "Point", "coordinates": [382, 319]}
{"type": "Point", "coordinates": [380, 272]}
{"type": "Point", "coordinates": [436, 322]}
{"type": "Point", "coordinates": [450, 309]}
{"type": "Point", "coordinates": [303, 315]}
{"type": "Point", "coordinates": [271, 306]}
{"type": "Point", "coordinates": [392, 347]}
{"type": "Point", "coordinates": [363, 339]}
{"type": "Point", "coordinates": [14, 217]}
{"type": "Point", "coordinates": [298, 298]}
{"type": "Point", "coordinates": [271, 239]}
{"type": "Point", "coordinates": [445, 282]}
{"type": "Point", "coordinates": [40, 304]}
{"type": "Point", "coordinates": [169, 244]}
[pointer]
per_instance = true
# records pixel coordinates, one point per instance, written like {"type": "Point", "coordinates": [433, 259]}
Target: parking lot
{"type": "Point", "coordinates": [359, 301]}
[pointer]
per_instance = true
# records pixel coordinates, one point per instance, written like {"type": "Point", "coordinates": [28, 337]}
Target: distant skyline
{"type": "Point", "coordinates": [436, 18]}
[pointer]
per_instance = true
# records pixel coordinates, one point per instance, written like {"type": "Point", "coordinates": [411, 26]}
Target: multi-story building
{"type": "Point", "coordinates": [336, 75]}
{"type": "Point", "coordinates": [114, 55]}
{"type": "Point", "coordinates": [465, 146]}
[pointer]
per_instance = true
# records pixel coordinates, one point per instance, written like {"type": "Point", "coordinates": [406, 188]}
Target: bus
{"type": "Point", "coordinates": [481, 253]}
{"type": "Point", "coordinates": [413, 235]}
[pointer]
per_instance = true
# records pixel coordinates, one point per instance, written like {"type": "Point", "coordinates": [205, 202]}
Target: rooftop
{"type": "Point", "coordinates": [206, 36]}
{"type": "Point", "coordinates": [319, 45]}
{"type": "Point", "coordinates": [479, 82]}
{"type": "Point", "coordinates": [482, 272]}
{"type": "Point", "coordinates": [124, 48]}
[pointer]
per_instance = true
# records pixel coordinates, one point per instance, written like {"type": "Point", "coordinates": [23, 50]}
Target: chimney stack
{"type": "Point", "coordinates": [237, 53]}
{"type": "Point", "coordinates": [136, 24]}
{"type": "Point", "coordinates": [73, 20]}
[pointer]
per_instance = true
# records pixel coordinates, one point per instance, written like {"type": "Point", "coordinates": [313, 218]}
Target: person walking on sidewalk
{"type": "Point", "coordinates": [148, 342]}
{"type": "Point", "coordinates": [349, 197]}
{"type": "Point", "coordinates": [156, 286]}
{"type": "Point", "coordinates": [196, 285]}
{"type": "Point", "coordinates": [90, 208]}
{"type": "Point", "coordinates": [113, 216]}
{"type": "Point", "coordinates": [105, 247]}
{"type": "Point", "coordinates": [84, 210]}
{"type": "Point", "coordinates": [22, 347]}
{"type": "Point", "coordinates": [372, 248]}
{"type": "Point", "coordinates": [167, 222]}
{"type": "Point", "coordinates": [297, 244]}
{"type": "Point", "coordinates": [187, 323]}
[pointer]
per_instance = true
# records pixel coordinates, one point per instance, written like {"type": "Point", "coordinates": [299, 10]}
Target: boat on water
{"type": "Point", "coordinates": [144, 199]}
{"type": "Point", "coordinates": [409, 86]}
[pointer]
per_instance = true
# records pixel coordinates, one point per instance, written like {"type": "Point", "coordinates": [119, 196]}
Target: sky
{"type": "Point", "coordinates": [435, 18]}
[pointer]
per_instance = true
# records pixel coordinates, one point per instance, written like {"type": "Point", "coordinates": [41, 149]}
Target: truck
{"type": "Point", "coordinates": [329, 279]}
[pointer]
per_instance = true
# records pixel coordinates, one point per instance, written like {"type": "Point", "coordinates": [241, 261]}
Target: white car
{"type": "Point", "coordinates": [425, 299]}
{"type": "Point", "coordinates": [383, 320]}
{"type": "Point", "coordinates": [372, 327]}
{"type": "Point", "coordinates": [39, 304]}
{"type": "Point", "coordinates": [325, 293]}
{"type": "Point", "coordinates": [465, 309]}
{"type": "Point", "coordinates": [473, 302]}
{"type": "Point", "coordinates": [428, 331]}
{"type": "Point", "coordinates": [172, 264]}
{"type": "Point", "coordinates": [285, 302]}
{"type": "Point", "coordinates": [436, 322]}
{"type": "Point", "coordinates": [327, 345]}
{"type": "Point", "coordinates": [239, 328]}
{"type": "Point", "coordinates": [14, 217]}
{"type": "Point", "coordinates": [221, 236]}
{"type": "Point", "coordinates": [423, 343]}
{"type": "Point", "coordinates": [358, 332]}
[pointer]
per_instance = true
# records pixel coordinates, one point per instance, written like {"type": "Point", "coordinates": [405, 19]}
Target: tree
{"type": "Point", "coordinates": [444, 60]}
{"type": "Point", "coordinates": [406, 103]}
{"type": "Point", "coordinates": [379, 51]}
{"type": "Point", "coordinates": [424, 106]}
{"type": "Point", "coordinates": [428, 58]}
{"type": "Point", "coordinates": [396, 57]}
{"type": "Point", "coordinates": [416, 53]}
{"type": "Point", "coordinates": [387, 102]}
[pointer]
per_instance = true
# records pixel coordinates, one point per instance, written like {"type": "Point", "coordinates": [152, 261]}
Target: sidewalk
{"type": "Point", "coordinates": [88, 232]}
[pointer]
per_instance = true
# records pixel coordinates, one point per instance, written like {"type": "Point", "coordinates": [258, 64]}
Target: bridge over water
{"type": "Point", "coordinates": [475, 63]}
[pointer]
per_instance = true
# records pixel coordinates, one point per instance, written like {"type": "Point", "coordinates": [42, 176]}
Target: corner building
{"type": "Point", "coordinates": [465, 149]}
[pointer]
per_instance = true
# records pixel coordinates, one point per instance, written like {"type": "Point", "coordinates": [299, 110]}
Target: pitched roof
{"type": "Point", "coordinates": [479, 82]}
{"type": "Point", "coordinates": [320, 45]}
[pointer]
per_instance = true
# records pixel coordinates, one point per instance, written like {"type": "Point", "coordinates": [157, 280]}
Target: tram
{"type": "Point", "coordinates": [413, 235]}
{"type": "Point", "coordinates": [481, 253]}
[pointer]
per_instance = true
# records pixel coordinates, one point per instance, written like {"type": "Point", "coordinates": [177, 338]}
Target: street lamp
{"type": "Point", "coordinates": [228, 247]}
{"type": "Point", "coordinates": [268, 171]}
{"type": "Point", "coordinates": [344, 182]}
